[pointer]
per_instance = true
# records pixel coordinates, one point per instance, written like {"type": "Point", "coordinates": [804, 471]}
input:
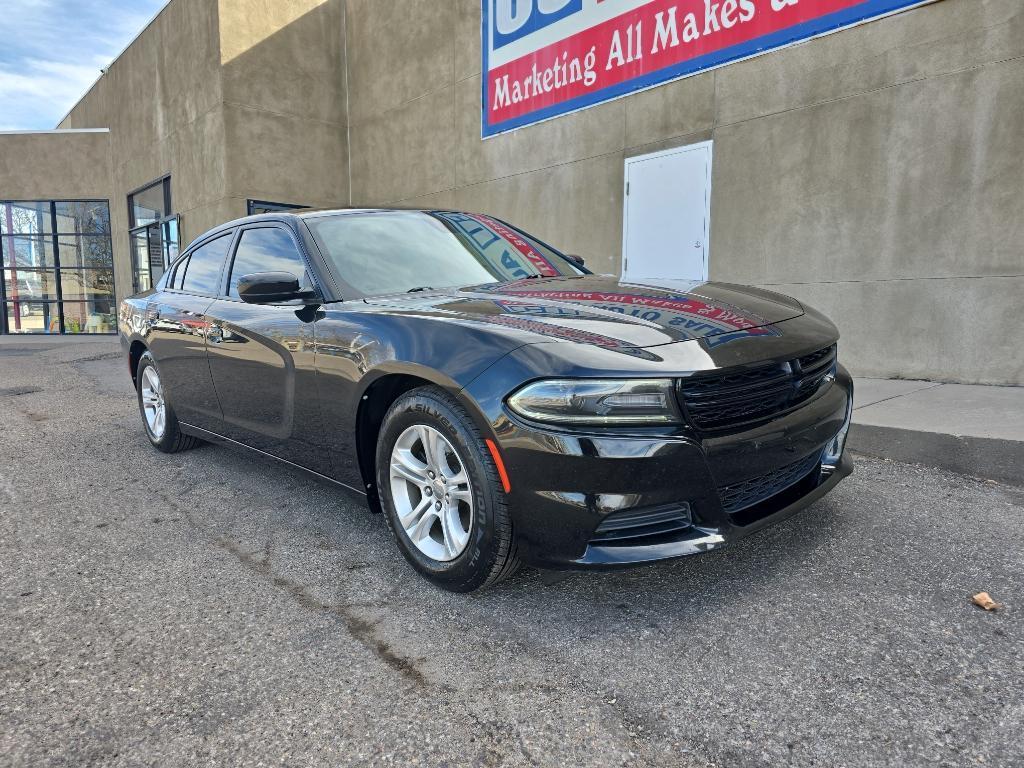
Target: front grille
{"type": "Point", "coordinates": [642, 526]}
{"type": "Point", "coordinates": [747, 493]}
{"type": "Point", "coordinates": [722, 400]}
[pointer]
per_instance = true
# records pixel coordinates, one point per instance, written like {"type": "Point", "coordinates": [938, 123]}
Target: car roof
{"type": "Point", "coordinates": [303, 213]}
{"type": "Point", "coordinates": [306, 213]}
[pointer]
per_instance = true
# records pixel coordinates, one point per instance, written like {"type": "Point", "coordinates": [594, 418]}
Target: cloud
{"type": "Point", "coordinates": [39, 92]}
{"type": "Point", "coordinates": [53, 50]}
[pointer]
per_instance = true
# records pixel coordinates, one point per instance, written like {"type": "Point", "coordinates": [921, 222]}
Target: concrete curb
{"type": "Point", "coordinates": [994, 459]}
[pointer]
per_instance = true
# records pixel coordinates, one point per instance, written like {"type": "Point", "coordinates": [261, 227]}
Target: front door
{"type": "Point", "coordinates": [667, 214]}
{"type": "Point", "coordinates": [262, 356]}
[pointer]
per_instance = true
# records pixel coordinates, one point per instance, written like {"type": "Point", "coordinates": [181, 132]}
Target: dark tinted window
{"type": "Point", "coordinates": [394, 251]}
{"type": "Point", "coordinates": [267, 249]}
{"type": "Point", "coordinates": [175, 278]}
{"type": "Point", "coordinates": [203, 268]}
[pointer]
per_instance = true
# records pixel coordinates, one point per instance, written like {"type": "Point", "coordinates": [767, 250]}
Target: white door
{"type": "Point", "coordinates": [667, 214]}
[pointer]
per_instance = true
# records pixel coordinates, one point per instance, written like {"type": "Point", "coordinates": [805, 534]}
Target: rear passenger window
{"type": "Point", "coordinates": [202, 272]}
{"type": "Point", "coordinates": [267, 249]}
{"type": "Point", "coordinates": [174, 278]}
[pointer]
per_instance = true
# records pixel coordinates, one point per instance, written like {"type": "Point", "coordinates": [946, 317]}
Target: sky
{"type": "Point", "coordinates": [51, 51]}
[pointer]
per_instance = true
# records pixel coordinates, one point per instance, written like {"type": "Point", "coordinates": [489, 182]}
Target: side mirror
{"type": "Point", "coordinates": [577, 260]}
{"type": "Point", "coordinates": [270, 288]}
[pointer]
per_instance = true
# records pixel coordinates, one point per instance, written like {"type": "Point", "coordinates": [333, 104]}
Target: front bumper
{"type": "Point", "coordinates": [702, 539]}
{"type": "Point", "coordinates": [565, 485]}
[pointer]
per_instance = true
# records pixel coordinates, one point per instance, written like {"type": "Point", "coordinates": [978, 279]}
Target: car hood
{"type": "Point", "coordinates": [606, 311]}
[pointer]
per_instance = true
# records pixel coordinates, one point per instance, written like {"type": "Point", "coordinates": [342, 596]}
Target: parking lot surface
{"type": "Point", "coordinates": [214, 608]}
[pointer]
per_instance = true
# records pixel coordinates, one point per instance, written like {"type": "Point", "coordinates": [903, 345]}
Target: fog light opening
{"type": "Point", "coordinates": [834, 449]}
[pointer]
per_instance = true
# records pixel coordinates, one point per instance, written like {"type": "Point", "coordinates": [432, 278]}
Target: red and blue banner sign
{"type": "Point", "coordinates": [543, 58]}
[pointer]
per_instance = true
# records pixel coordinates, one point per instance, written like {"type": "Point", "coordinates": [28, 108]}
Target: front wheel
{"type": "Point", "coordinates": [441, 494]}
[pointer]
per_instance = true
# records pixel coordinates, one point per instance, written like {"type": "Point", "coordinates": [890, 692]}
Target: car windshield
{"type": "Point", "coordinates": [383, 252]}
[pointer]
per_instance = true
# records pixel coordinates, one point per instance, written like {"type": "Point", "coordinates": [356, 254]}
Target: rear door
{"type": "Point", "coordinates": [178, 326]}
{"type": "Point", "coordinates": [262, 355]}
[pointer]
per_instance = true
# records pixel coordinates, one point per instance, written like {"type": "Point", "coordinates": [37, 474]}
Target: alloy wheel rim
{"type": "Point", "coordinates": [153, 407]}
{"type": "Point", "coordinates": [431, 492]}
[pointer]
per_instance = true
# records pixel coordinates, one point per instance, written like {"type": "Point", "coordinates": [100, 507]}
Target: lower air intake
{"type": "Point", "coordinates": [739, 496]}
{"type": "Point", "coordinates": [636, 527]}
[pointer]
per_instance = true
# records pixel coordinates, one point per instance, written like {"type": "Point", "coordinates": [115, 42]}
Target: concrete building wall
{"type": "Point", "coordinates": [55, 165]}
{"type": "Point", "coordinates": [887, 164]}
{"type": "Point", "coordinates": [874, 173]}
{"type": "Point", "coordinates": [286, 123]}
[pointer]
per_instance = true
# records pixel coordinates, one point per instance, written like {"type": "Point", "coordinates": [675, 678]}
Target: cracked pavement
{"type": "Point", "coordinates": [212, 607]}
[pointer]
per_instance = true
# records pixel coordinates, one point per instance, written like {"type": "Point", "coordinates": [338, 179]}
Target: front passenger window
{"type": "Point", "coordinates": [267, 249]}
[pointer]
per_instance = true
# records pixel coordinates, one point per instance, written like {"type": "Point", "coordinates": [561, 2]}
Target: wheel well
{"type": "Point", "coordinates": [373, 406]}
{"type": "Point", "coordinates": [134, 355]}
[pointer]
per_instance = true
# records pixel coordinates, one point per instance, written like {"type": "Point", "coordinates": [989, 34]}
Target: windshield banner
{"type": "Point", "coordinates": [543, 58]}
{"type": "Point", "coordinates": [492, 238]}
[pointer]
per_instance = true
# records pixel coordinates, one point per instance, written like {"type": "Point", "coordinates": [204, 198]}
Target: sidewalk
{"type": "Point", "coordinates": [971, 429]}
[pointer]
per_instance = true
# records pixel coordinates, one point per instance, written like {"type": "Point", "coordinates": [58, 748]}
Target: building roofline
{"type": "Point", "coordinates": [120, 53]}
{"type": "Point", "coordinates": [55, 130]}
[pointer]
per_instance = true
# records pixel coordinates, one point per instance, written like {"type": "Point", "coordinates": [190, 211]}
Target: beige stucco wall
{"type": "Point", "coordinates": [285, 101]}
{"type": "Point", "coordinates": [55, 165]}
{"type": "Point", "coordinates": [874, 173]}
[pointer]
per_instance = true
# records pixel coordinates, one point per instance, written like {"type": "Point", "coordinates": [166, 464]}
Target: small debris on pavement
{"type": "Point", "coordinates": [984, 600]}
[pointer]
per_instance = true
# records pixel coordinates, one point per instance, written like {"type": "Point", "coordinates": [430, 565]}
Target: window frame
{"type": "Point", "coordinates": [134, 228]}
{"type": "Point", "coordinates": [165, 184]}
{"type": "Point", "coordinates": [171, 272]}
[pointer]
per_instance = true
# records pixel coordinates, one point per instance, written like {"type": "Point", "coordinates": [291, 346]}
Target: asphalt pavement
{"type": "Point", "coordinates": [213, 608]}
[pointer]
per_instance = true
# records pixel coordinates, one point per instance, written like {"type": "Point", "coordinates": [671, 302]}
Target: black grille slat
{"type": "Point", "coordinates": [740, 380]}
{"type": "Point", "coordinates": [759, 399]}
{"type": "Point", "coordinates": [633, 527]}
{"type": "Point", "coordinates": [722, 400]}
{"type": "Point", "coordinates": [823, 357]}
{"type": "Point", "coordinates": [777, 384]}
{"type": "Point", "coordinates": [621, 521]}
{"type": "Point", "coordinates": [633, 535]}
{"type": "Point", "coordinates": [728, 414]}
{"type": "Point", "coordinates": [738, 496]}
{"type": "Point", "coordinates": [817, 366]}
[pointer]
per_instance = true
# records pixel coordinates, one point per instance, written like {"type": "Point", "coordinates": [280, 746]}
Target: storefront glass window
{"type": "Point", "coordinates": [57, 267]}
{"type": "Point", "coordinates": [154, 238]}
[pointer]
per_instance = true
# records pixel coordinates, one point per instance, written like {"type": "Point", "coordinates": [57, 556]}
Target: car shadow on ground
{"type": "Point", "coordinates": [696, 583]}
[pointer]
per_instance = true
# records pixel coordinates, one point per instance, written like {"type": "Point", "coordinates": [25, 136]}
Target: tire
{"type": "Point", "coordinates": [489, 554]}
{"type": "Point", "coordinates": [167, 438]}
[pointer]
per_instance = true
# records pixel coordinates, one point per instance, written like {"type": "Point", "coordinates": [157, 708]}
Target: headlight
{"type": "Point", "coordinates": [597, 401]}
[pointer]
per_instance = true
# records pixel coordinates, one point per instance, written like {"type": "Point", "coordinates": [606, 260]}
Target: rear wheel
{"type": "Point", "coordinates": [157, 414]}
{"type": "Point", "coordinates": [441, 494]}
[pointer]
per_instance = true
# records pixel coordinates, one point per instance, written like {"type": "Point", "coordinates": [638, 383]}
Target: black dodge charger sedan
{"type": "Point", "coordinates": [497, 401]}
